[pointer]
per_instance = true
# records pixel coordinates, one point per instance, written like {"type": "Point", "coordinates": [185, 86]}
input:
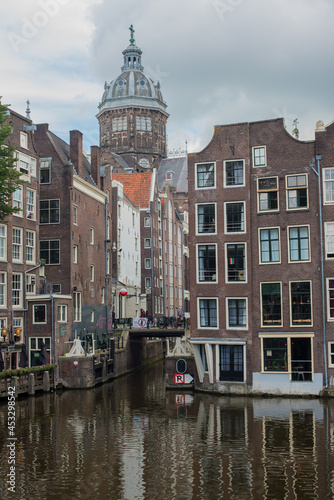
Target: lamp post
{"type": "Point", "coordinates": [317, 173]}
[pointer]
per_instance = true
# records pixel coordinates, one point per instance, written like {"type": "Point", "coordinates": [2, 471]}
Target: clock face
{"type": "Point", "coordinates": [143, 162]}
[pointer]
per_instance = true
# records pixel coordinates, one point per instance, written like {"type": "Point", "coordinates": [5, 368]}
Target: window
{"type": "Point", "coordinates": [30, 247]}
{"type": "Point", "coordinates": [92, 273]}
{"type": "Point", "coordinates": [231, 363]}
{"type": "Point", "coordinates": [56, 288]}
{"type": "Point", "coordinates": [329, 240]}
{"type": "Point", "coordinates": [23, 140]}
{"type": "Point", "coordinates": [31, 284]}
{"type": "Point", "coordinates": [205, 175]}
{"type": "Point", "coordinates": [49, 211]}
{"type": "Point", "coordinates": [296, 186]}
{"type": "Point", "coordinates": [269, 245]}
{"type": "Point", "coordinates": [300, 299]}
{"type": "Point", "coordinates": [17, 244]}
{"type": "Point", "coordinates": [3, 242]}
{"type": "Point", "coordinates": [147, 221]}
{"type": "Point", "coordinates": [119, 124]}
{"type": "Point", "coordinates": [234, 173]}
{"type": "Point", "coordinates": [328, 179]}
{"type": "Point", "coordinates": [108, 262]}
{"type": "Point", "coordinates": [288, 354]}
{"type": "Point", "coordinates": [259, 156]}
{"type": "Point", "coordinates": [31, 210]}
{"type": "Point", "coordinates": [206, 218]}
{"type": "Point", "coordinates": [17, 290]}
{"type": "Point", "coordinates": [75, 215]}
{"type": "Point", "coordinates": [75, 254]}
{"type": "Point", "coordinates": [17, 198]}
{"type": "Point", "coordinates": [331, 354]}
{"type": "Point", "coordinates": [77, 306]}
{"type": "Point", "coordinates": [299, 246]}
{"type": "Point", "coordinates": [236, 313]}
{"type": "Point", "coordinates": [235, 217]}
{"type": "Point", "coordinates": [271, 304]}
{"type": "Point", "coordinates": [45, 170]}
{"type": "Point", "coordinates": [50, 251]}
{"type": "Point", "coordinates": [62, 314]}
{"type": "Point", "coordinates": [147, 263]}
{"type": "Point", "coordinates": [39, 313]}
{"type": "Point", "coordinates": [24, 163]}
{"type": "Point", "coordinates": [267, 194]}
{"type": "Point", "coordinates": [3, 290]}
{"type": "Point", "coordinates": [147, 243]}
{"type": "Point", "coordinates": [207, 313]}
{"type": "Point", "coordinates": [236, 262]}
{"type": "Point", "coordinates": [143, 123]}
{"type": "Point", "coordinates": [36, 344]}
{"type": "Point", "coordinates": [330, 299]}
{"type": "Point", "coordinates": [207, 267]}
{"type": "Point", "coordinates": [103, 295]}
{"type": "Point", "coordinates": [147, 283]}
{"type": "Point", "coordinates": [91, 236]}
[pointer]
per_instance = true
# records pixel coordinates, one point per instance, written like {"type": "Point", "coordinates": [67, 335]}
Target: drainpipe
{"type": "Point", "coordinates": [152, 270]}
{"type": "Point", "coordinates": [25, 298]}
{"type": "Point", "coordinates": [317, 173]}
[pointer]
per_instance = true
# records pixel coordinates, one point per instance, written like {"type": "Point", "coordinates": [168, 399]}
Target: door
{"type": "Point", "coordinates": [231, 363]}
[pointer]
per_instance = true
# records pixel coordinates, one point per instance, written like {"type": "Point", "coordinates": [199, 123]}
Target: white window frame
{"type": "Point", "coordinates": [3, 242]}
{"type": "Point", "coordinates": [30, 247]}
{"type": "Point", "coordinates": [225, 217]}
{"type": "Point", "coordinates": [329, 298]}
{"type": "Point", "coordinates": [255, 163]}
{"type": "Point", "coordinates": [31, 207]}
{"type": "Point", "coordinates": [18, 242]}
{"type": "Point", "coordinates": [92, 273]}
{"type": "Point", "coordinates": [241, 281]}
{"type": "Point", "coordinates": [23, 140]}
{"type": "Point", "coordinates": [31, 284]}
{"type": "Point", "coordinates": [3, 287]}
{"type": "Point", "coordinates": [18, 295]}
{"type": "Point", "coordinates": [45, 164]}
{"type": "Point", "coordinates": [301, 325]}
{"type": "Point", "coordinates": [329, 239]}
{"type": "Point", "coordinates": [75, 254]}
{"type": "Point", "coordinates": [267, 325]}
{"type": "Point", "coordinates": [147, 243]}
{"type": "Point", "coordinates": [75, 215]}
{"type": "Point", "coordinates": [205, 233]}
{"type": "Point", "coordinates": [309, 244]}
{"type": "Point", "coordinates": [328, 181]}
{"type": "Point", "coordinates": [76, 307]}
{"type": "Point", "coordinates": [147, 221]}
{"type": "Point", "coordinates": [228, 327]}
{"type": "Point", "coordinates": [18, 201]}
{"type": "Point", "coordinates": [201, 282]}
{"type": "Point", "coordinates": [214, 175]}
{"type": "Point", "coordinates": [295, 188]}
{"type": "Point", "coordinates": [91, 235]}
{"type": "Point", "coordinates": [199, 313]}
{"type": "Point", "coordinates": [330, 354]}
{"type": "Point", "coordinates": [279, 245]}
{"type": "Point", "coordinates": [33, 315]}
{"type": "Point", "coordinates": [148, 283]}
{"type": "Point", "coordinates": [264, 191]}
{"type": "Point", "coordinates": [226, 162]}
{"type": "Point", "coordinates": [62, 313]}
{"type": "Point", "coordinates": [147, 263]}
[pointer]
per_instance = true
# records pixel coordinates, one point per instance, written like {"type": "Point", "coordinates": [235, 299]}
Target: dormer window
{"type": "Point", "coordinates": [169, 176]}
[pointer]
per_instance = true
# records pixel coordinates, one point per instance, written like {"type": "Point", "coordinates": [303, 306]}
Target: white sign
{"type": "Point", "coordinates": [139, 323]}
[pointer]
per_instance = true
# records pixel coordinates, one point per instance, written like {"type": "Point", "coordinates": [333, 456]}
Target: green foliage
{"type": "Point", "coordinates": [9, 175]}
{"type": "Point", "coordinates": [25, 371]}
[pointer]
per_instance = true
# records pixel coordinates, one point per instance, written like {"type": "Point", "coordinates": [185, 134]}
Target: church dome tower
{"type": "Point", "coordinates": [132, 114]}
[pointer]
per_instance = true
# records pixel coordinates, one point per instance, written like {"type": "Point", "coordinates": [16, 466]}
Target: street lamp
{"type": "Point", "coordinates": [317, 173]}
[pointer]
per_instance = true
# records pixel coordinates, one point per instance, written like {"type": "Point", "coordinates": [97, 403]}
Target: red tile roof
{"type": "Point", "coordinates": [136, 186]}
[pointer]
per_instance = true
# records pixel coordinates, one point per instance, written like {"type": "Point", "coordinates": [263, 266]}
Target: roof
{"type": "Point", "coordinates": [178, 167]}
{"type": "Point", "coordinates": [136, 186]}
{"type": "Point", "coordinates": [63, 150]}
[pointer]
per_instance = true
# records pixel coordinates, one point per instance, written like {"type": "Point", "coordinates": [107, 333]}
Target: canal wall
{"type": "Point", "coordinates": [27, 383]}
{"type": "Point", "coordinates": [82, 372]}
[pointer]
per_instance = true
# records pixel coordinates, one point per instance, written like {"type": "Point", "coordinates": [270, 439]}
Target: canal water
{"type": "Point", "coordinates": [132, 440]}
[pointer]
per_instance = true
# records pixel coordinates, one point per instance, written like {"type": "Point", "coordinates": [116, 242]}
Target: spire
{"type": "Point", "coordinates": [132, 40]}
{"type": "Point", "coordinates": [28, 110]}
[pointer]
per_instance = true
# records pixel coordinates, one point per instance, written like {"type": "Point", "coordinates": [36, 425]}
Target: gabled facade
{"type": "Point", "coordinates": [19, 235]}
{"type": "Point", "coordinates": [256, 304]}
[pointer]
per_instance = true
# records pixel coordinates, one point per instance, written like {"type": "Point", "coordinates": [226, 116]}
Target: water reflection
{"type": "Point", "coordinates": [132, 440]}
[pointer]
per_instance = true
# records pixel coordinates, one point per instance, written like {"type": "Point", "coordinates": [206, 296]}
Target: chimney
{"type": "Point", "coordinates": [76, 151]}
{"type": "Point", "coordinates": [95, 164]}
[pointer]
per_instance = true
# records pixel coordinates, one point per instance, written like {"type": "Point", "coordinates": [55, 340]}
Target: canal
{"type": "Point", "coordinates": [131, 440]}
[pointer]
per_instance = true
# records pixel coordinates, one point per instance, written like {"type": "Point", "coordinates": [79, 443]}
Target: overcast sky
{"type": "Point", "coordinates": [218, 61]}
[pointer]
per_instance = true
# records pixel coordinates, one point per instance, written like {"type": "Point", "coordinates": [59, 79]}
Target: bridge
{"type": "Point", "coordinates": [157, 332]}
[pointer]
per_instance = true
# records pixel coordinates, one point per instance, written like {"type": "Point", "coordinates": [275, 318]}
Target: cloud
{"type": "Point", "coordinates": [218, 61]}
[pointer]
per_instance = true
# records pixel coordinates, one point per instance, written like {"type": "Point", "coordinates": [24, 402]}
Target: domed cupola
{"type": "Point", "coordinates": [132, 113]}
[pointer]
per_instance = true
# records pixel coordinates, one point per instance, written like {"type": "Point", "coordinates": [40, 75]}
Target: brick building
{"type": "Point", "coordinates": [254, 225]}
{"type": "Point", "coordinates": [19, 235]}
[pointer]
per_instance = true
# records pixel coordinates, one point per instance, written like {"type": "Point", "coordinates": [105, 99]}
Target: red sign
{"type": "Point", "coordinates": [123, 292]}
{"type": "Point", "coordinates": [179, 378]}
